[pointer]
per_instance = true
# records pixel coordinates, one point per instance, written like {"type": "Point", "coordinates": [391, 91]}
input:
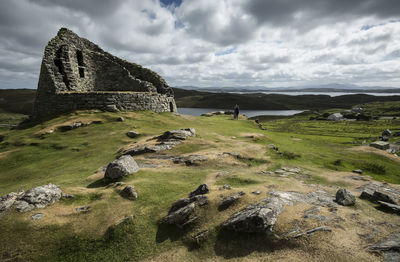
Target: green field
{"type": "Point", "coordinates": [72, 160]}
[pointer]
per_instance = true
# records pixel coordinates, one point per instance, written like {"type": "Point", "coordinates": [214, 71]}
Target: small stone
{"type": "Point", "coordinates": [227, 202]}
{"type": "Point", "coordinates": [129, 192]}
{"type": "Point", "coordinates": [380, 145]}
{"type": "Point", "coordinates": [83, 209]}
{"type": "Point", "coordinates": [37, 216]}
{"type": "Point", "coordinates": [120, 119]}
{"type": "Point", "coordinates": [124, 220]}
{"type": "Point", "coordinates": [257, 192]}
{"type": "Point", "coordinates": [67, 196]}
{"type": "Point", "coordinates": [358, 171]}
{"type": "Point", "coordinates": [132, 134]}
{"type": "Point", "coordinates": [345, 197]}
{"type": "Point", "coordinates": [201, 237]}
{"type": "Point", "coordinates": [201, 190]}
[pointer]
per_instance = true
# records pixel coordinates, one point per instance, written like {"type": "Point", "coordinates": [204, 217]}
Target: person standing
{"type": "Point", "coordinates": [236, 111]}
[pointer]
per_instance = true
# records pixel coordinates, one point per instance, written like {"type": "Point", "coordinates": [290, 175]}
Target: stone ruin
{"type": "Point", "coordinates": [76, 74]}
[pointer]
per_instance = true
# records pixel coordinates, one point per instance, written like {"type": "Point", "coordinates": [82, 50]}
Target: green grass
{"type": "Point", "coordinates": [70, 158]}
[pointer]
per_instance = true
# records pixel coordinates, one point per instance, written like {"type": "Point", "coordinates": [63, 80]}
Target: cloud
{"type": "Point", "coordinates": [215, 43]}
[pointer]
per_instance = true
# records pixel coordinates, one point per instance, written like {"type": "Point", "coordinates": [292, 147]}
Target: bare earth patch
{"type": "Point", "coordinates": [368, 149]}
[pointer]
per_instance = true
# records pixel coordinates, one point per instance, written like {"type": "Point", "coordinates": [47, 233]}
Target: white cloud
{"type": "Point", "coordinates": [215, 43]}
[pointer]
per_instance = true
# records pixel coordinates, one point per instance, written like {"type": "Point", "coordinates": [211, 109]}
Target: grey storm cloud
{"type": "Point", "coordinates": [274, 40]}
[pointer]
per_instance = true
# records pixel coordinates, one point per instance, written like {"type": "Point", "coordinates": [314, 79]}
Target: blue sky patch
{"type": "Point", "coordinates": [167, 3]}
{"type": "Point", "coordinates": [227, 51]}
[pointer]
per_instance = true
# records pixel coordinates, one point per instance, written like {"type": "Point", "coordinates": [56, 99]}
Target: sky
{"type": "Point", "coordinates": [210, 43]}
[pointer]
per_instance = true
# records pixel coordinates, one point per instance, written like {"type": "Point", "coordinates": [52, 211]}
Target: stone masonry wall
{"type": "Point", "coordinates": [77, 74]}
{"type": "Point", "coordinates": [106, 101]}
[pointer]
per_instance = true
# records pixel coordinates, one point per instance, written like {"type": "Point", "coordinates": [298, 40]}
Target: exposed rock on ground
{"type": "Point", "coordinates": [120, 167]}
{"type": "Point", "coordinates": [376, 191]}
{"type": "Point", "coordinates": [191, 160]}
{"type": "Point", "coordinates": [201, 190]}
{"type": "Point", "coordinates": [37, 216]}
{"type": "Point", "coordinates": [345, 197]}
{"type": "Point", "coordinates": [388, 207]}
{"type": "Point", "coordinates": [390, 245]}
{"type": "Point", "coordinates": [166, 141]}
{"type": "Point", "coordinates": [129, 192]}
{"type": "Point", "coordinates": [380, 145]}
{"type": "Point", "coordinates": [132, 134]}
{"type": "Point", "coordinates": [256, 218]}
{"type": "Point", "coordinates": [226, 202]}
{"type": "Point", "coordinates": [83, 209]}
{"type": "Point", "coordinates": [38, 197]}
{"type": "Point", "coordinates": [182, 212]}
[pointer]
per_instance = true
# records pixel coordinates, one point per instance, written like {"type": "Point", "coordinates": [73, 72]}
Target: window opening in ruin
{"type": "Point", "coordinates": [81, 72]}
{"type": "Point", "coordinates": [171, 107]}
{"type": "Point", "coordinates": [79, 56]}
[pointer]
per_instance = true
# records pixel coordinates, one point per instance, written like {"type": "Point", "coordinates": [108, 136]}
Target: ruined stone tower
{"type": "Point", "coordinates": [77, 74]}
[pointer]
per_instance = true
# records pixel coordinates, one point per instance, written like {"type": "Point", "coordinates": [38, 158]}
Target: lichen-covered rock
{"type": "Point", "coordinates": [129, 192]}
{"type": "Point", "coordinates": [38, 197]}
{"type": "Point", "coordinates": [345, 197]}
{"type": "Point", "coordinates": [120, 167]}
{"type": "Point", "coordinates": [256, 218]}
{"type": "Point", "coordinates": [376, 191]}
{"type": "Point", "coordinates": [201, 190]}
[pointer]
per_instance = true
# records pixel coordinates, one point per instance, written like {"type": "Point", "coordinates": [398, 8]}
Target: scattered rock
{"type": "Point", "coordinates": [125, 219]}
{"type": "Point", "coordinates": [241, 193]}
{"type": "Point", "coordinates": [120, 167]}
{"type": "Point", "coordinates": [257, 192]}
{"type": "Point", "coordinates": [129, 192]}
{"type": "Point", "coordinates": [191, 160]}
{"type": "Point", "coordinates": [358, 171]}
{"type": "Point", "coordinates": [38, 197]}
{"type": "Point", "coordinates": [37, 216]}
{"type": "Point", "coordinates": [390, 245]}
{"type": "Point", "coordinates": [390, 207]}
{"type": "Point", "coordinates": [228, 201]}
{"type": "Point", "coordinates": [335, 117]}
{"type": "Point", "coordinates": [178, 134]}
{"type": "Point", "coordinates": [180, 216]}
{"type": "Point", "coordinates": [386, 135]}
{"type": "Point", "coordinates": [201, 200]}
{"type": "Point", "coordinates": [312, 231]}
{"type": "Point", "coordinates": [256, 218]}
{"type": "Point", "coordinates": [226, 186]}
{"type": "Point", "coordinates": [71, 126]}
{"type": "Point", "coordinates": [120, 119]}
{"type": "Point", "coordinates": [116, 184]}
{"type": "Point", "coordinates": [66, 196]}
{"type": "Point", "coordinates": [201, 237]}
{"type": "Point", "coordinates": [345, 197]}
{"type": "Point", "coordinates": [111, 108]}
{"type": "Point", "coordinates": [234, 154]}
{"type": "Point", "coordinates": [375, 191]}
{"type": "Point", "coordinates": [84, 209]}
{"type": "Point", "coordinates": [132, 134]}
{"type": "Point", "coordinates": [380, 145]}
{"type": "Point", "coordinates": [201, 190]}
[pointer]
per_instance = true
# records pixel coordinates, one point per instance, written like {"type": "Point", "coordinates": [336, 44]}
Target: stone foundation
{"type": "Point", "coordinates": [106, 101]}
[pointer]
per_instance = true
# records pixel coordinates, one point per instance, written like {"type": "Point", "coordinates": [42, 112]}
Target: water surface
{"type": "Point", "coordinates": [249, 113]}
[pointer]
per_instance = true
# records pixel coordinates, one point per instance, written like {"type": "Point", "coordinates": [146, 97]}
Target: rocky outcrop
{"type": "Point", "coordinates": [38, 197]}
{"type": "Point", "coordinates": [390, 245]}
{"type": "Point", "coordinates": [166, 141]}
{"type": "Point", "coordinates": [345, 197]}
{"type": "Point", "coordinates": [256, 218]}
{"type": "Point", "coordinates": [121, 167]}
{"type": "Point", "coordinates": [380, 145]}
{"type": "Point", "coordinates": [386, 196]}
{"type": "Point", "coordinates": [77, 74]}
{"type": "Point", "coordinates": [132, 134]}
{"type": "Point", "coordinates": [190, 160]}
{"type": "Point", "coordinates": [226, 202]}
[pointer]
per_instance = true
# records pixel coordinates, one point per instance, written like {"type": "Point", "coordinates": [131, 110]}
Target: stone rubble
{"type": "Point", "coordinates": [38, 197]}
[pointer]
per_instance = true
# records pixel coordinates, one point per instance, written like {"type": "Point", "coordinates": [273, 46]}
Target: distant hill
{"type": "Point", "coordinates": [259, 101]}
{"type": "Point", "coordinates": [17, 100]}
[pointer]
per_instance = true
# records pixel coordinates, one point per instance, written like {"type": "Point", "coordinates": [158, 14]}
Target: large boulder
{"type": "Point", "coordinates": [335, 117]}
{"type": "Point", "coordinates": [375, 192]}
{"type": "Point", "coordinates": [256, 218]}
{"type": "Point", "coordinates": [120, 167]}
{"type": "Point", "coordinates": [345, 197]}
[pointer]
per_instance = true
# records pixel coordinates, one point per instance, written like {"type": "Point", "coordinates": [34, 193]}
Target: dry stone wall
{"type": "Point", "coordinates": [77, 74]}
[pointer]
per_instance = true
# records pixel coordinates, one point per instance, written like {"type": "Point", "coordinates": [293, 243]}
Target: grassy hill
{"type": "Point", "coordinates": [327, 152]}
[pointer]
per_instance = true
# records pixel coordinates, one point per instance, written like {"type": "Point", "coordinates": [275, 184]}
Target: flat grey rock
{"type": "Point", "coordinates": [129, 192]}
{"type": "Point", "coordinates": [132, 134]}
{"type": "Point", "coordinates": [37, 216]}
{"type": "Point", "coordinates": [228, 201]}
